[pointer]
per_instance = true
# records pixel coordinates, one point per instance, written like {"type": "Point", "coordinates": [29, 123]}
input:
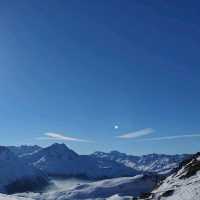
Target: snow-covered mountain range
{"type": "Point", "coordinates": [41, 157]}
{"type": "Point", "coordinates": [24, 168]}
{"type": "Point", "coordinates": [59, 160]}
{"type": "Point", "coordinates": [156, 163]}
{"type": "Point", "coordinates": [24, 149]}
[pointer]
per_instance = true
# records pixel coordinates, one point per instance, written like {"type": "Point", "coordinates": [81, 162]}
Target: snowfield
{"type": "Point", "coordinates": [111, 189]}
{"type": "Point", "coordinates": [117, 197]}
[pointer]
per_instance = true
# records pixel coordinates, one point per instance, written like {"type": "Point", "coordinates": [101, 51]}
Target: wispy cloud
{"type": "Point", "coordinates": [137, 134]}
{"type": "Point", "coordinates": [173, 137]}
{"type": "Point", "coordinates": [58, 136]}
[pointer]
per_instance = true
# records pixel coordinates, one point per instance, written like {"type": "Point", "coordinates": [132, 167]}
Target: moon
{"type": "Point", "coordinates": [116, 127]}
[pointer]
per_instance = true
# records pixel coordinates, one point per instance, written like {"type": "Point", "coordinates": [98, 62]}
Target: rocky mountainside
{"type": "Point", "coordinates": [154, 163]}
{"type": "Point", "coordinates": [183, 184]}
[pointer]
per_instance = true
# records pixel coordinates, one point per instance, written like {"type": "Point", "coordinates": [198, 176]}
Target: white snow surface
{"type": "Point", "coordinates": [110, 189]}
{"type": "Point", "coordinates": [58, 159]}
{"type": "Point", "coordinates": [12, 197]}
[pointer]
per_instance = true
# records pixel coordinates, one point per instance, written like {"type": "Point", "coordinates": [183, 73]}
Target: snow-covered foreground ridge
{"type": "Point", "coordinates": [12, 197]}
{"type": "Point", "coordinates": [117, 188]}
{"type": "Point", "coordinates": [182, 185]}
{"type": "Point", "coordinates": [114, 197]}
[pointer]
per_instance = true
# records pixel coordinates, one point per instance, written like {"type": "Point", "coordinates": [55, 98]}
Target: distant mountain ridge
{"type": "Point", "coordinates": [155, 163]}
{"type": "Point", "coordinates": [59, 160]}
{"type": "Point", "coordinates": [30, 166]}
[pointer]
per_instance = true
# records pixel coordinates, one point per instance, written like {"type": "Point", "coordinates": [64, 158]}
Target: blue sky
{"type": "Point", "coordinates": [78, 68]}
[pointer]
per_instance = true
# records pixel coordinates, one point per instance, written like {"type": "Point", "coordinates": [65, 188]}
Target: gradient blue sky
{"type": "Point", "coordinates": [80, 67]}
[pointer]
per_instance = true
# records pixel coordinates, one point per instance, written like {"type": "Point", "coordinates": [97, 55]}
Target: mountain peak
{"type": "Point", "coordinates": [117, 153]}
{"type": "Point", "coordinates": [56, 144]}
{"type": "Point", "coordinates": [59, 148]}
{"type": "Point", "coordinates": [182, 183]}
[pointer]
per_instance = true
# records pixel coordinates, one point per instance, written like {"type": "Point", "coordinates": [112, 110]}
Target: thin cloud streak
{"type": "Point", "coordinates": [137, 134]}
{"type": "Point", "coordinates": [58, 136]}
{"type": "Point", "coordinates": [170, 137]}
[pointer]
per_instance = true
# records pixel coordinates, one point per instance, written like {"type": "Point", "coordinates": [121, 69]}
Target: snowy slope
{"type": "Point", "coordinates": [15, 197]}
{"type": "Point", "coordinates": [158, 163]}
{"type": "Point", "coordinates": [12, 197]}
{"type": "Point", "coordinates": [182, 185]}
{"type": "Point", "coordinates": [111, 189]}
{"type": "Point", "coordinates": [59, 160]}
{"type": "Point", "coordinates": [118, 197]}
{"type": "Point", "coordinates": [15, 175]}
{"type": "Point", "coordinates": [102, 189]}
